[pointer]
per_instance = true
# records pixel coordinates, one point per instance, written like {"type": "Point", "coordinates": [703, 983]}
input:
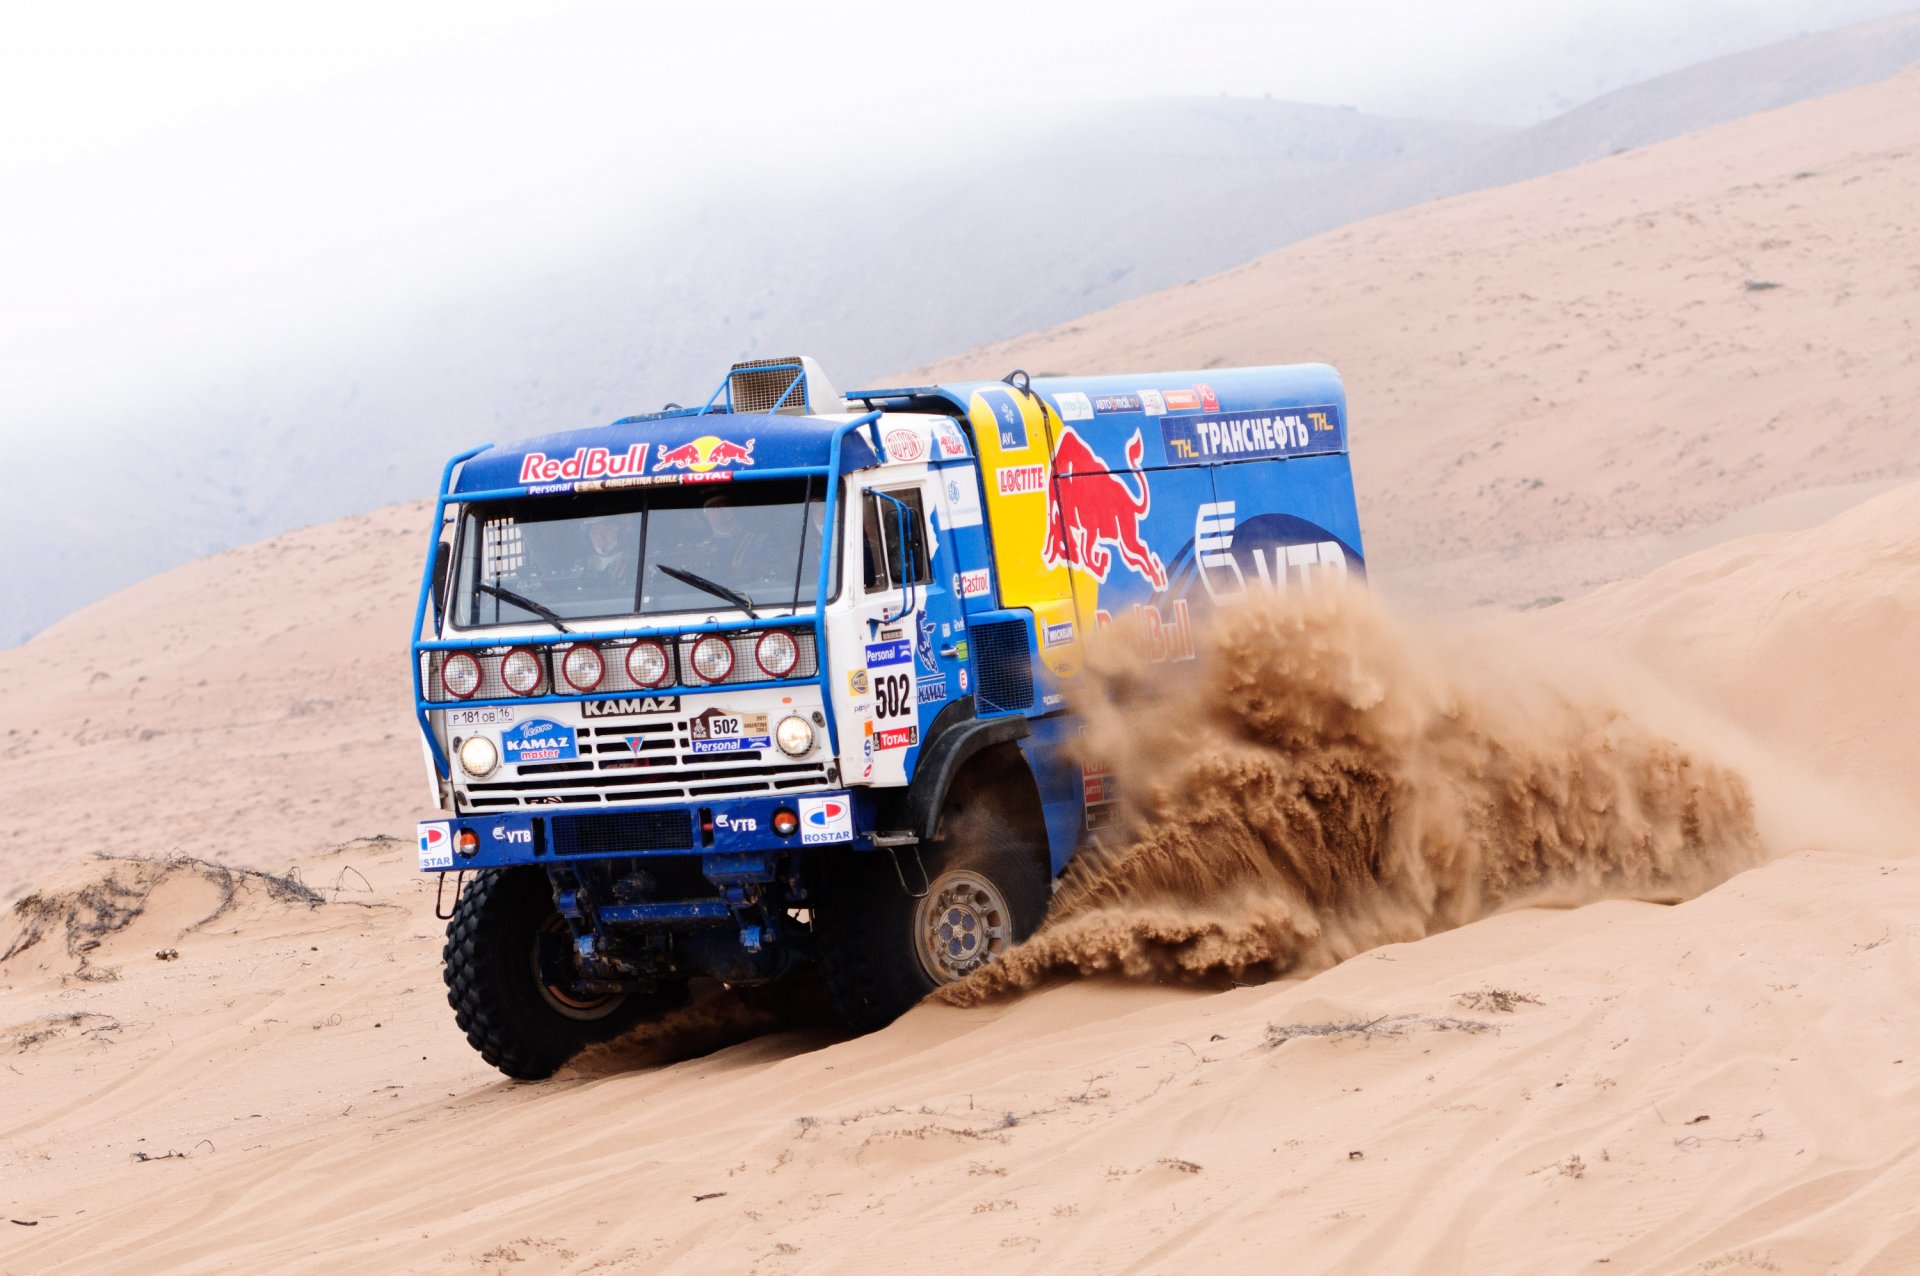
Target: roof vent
{"type": "Point", "coordinates": [791, 387]}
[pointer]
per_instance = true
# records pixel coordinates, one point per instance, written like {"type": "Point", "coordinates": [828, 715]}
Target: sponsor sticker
{"type": "Point", "coordinates": [976, 584]}
{"type": "Point", "coordinates": [963, 500]}
{"type": "Point", "coordinates": [1074, 406]}
{"type": "Point", "coordinates": [905, 445]}
{"type": "Point", "coordinates": [1057, 635]}
{"type": "Point", "coordinates": [630, 706]}
{"type": "Point", "coordinates": [950, 441]}
{"type": "Point", "coordinates": [704, 454]}
{"type": "Point", "coordinates": [538, 740]}
{"type": "Point", "coordinates": [436, 844]}
{"type": "Point", "coordinates": [1182, 401]}
{"type": "Point", "coordinates": [933, 690]}
{"type": "Point", "coordinates": [856, 682]}
{"type": "Point", "coordinates": [585, 463]}
{"type": "Point", "coordinates": [890, 666]}
{"type": "Point", "coordinates": [1116, 403]}
{"type": "Point", "coordinates": [1017, 480]}
{"type": "Point", "coordinates": [1152, 403]}
{"type": "Point", "coordinates": [1007, 415]}
{"type": "Point", "coordinates": [737, 823]}
{"type": "Point", "coordinates": [825, 819]}
{"type": "Point", "coordinates": [1209, 401]}
{"type": "Point", "coordinates": [727, 731]}
{"type": "Point", "coordinates": [1249, 435]}
{"type": "Point", "coordinates": [963, 680]}
{"type": "Point", "coordinates": [897, 738]}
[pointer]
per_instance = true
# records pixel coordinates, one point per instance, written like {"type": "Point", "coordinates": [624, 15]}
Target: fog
{"type": "Point", "coordinates": [203, 199]}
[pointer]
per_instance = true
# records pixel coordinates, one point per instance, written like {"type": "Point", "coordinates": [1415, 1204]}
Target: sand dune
{"type": "Point", "coordinates": [216, 1070]}
{"type": "Point", "coordinates": [1552, 380]}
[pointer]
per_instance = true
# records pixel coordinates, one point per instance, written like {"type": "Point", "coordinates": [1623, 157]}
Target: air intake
{"type": "Point", "coordinates": [791, 387]}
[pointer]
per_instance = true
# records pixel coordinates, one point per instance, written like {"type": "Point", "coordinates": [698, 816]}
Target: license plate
{"type": "Point", "coordinates": [496, 716]}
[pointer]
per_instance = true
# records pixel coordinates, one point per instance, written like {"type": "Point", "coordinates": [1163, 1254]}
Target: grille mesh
{"type": "Point", "coordinates": [1003, 658]}
{"type": "Point", "coordinates": [670, 830]}
{"type": "Point", "coordinates": [758, 384]}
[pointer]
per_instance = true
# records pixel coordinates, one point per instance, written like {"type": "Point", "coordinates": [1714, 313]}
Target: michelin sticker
{"type": "Point", "coordinates": [539, 740]}
{"type": "Point", "coordinates": [724, 731]}
{"type": "Point", "coordinates": [825, 819]}
{"type": "Point", "coordinates": [436, 845]}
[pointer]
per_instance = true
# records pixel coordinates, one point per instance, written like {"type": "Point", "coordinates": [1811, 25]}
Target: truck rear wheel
{"type": "Point", "coordinates": [519, 1021]}
{"type": "Point", "coordinates": [884, 950]}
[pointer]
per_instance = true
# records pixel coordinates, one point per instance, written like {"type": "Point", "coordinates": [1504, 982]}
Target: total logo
{"type": "Point", "coordinates": [708, 452]}
{"type": "Point", "coordinates": [825, 819]}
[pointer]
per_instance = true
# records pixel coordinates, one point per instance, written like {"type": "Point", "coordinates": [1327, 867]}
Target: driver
{"type": "Point", "coordinates": [607, 556]}
{"type": "Point", "coordinates": [728, 552]}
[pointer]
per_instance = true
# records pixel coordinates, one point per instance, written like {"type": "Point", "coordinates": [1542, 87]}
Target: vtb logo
{"type": "Point", "coordinates": [1091, 508]}
{"type": "Point", "coordinates": [707, 452]}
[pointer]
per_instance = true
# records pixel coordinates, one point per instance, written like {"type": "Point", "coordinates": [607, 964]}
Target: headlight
{"type": "Point", "coordinates": [776, 653]}
{"type": "Point", "coordinates": [478, 757]}
{"type": "Point", "coordinates": [713, 658]}
{"type": "Point", "coordinates": [647, 664]}
{"type": "Point", "coordinates": [521, 671]}
{"type": "Point", "coordinates": [460, 675]}
{"type": "Point", "coordinates": [794, 736]}
{"type": "Point", "coordinates": [583, 668]}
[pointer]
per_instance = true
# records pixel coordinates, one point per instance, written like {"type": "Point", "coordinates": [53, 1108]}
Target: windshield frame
{"type": "Point", "coordinates": [468, 544]}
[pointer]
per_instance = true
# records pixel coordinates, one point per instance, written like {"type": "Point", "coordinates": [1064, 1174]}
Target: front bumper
{"type": "Point", "coordinates": [731, 826]}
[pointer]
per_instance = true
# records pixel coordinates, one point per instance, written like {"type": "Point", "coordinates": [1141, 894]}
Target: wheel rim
{"type": "Point", "coordinates": [962, 924]}
{"type": "Point", "coordinates": [558, 999]}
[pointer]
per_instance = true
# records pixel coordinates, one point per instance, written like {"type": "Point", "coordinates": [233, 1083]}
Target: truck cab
{"type": "Point", "coordinates": [783, 681]}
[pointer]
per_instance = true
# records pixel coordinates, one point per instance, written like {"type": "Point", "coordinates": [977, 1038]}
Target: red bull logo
{"type": "Point", "coordinates": [1093, 508]}
{"type": "Point", "coordinates": [585, 463]}
{"type": "Point", "coordinates": [708, 452]}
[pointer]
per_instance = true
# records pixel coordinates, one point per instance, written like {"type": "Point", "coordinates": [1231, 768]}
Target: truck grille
{"type": "Point", "coordinates": [645, 759]}
{"type": "Point", "coordinates": [670, 830]}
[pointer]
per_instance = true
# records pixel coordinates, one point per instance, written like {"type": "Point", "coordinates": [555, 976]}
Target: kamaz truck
{"type": "Point", "coordinates": [781, 683]}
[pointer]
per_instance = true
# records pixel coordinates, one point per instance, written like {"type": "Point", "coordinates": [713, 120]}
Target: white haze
{"type": "Point", "coordinates": [195, 188]}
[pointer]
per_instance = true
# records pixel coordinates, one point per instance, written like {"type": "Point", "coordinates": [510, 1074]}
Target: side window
{"type": "Point", "coordinates": [886, 563]}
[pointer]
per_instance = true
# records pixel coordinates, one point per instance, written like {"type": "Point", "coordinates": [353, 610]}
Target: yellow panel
{"type": "Point", "coordinates": [1016, 479]}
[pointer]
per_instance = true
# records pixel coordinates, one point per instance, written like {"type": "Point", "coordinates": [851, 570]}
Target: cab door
{"type": "Point", "coordinates": [906, 611]}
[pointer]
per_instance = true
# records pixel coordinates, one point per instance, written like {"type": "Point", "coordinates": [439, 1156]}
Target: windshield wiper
{"type": "Point", "coordinates": [525, 604]}
{"type": "Point", "coordinates": [715, 588]}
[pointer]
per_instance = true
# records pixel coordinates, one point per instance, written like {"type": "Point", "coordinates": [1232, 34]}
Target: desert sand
{"type": "Point", "coordinates": [241, 1058]}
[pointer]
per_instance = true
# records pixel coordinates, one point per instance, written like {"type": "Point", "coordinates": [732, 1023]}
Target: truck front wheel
{"type": "Point", "coordinates": [519, 1021]}
{"type": "Point", "coordinates": [883, 949]}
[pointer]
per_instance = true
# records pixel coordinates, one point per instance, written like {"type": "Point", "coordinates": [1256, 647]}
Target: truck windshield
{"type": "Point", "coordinates": [604, 555]}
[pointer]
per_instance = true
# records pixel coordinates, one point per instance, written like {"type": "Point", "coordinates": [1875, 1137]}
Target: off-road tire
{"type": "Point", "coordinates": [870, 927]}
{"type": "Point", "coordinates": [493, 985]}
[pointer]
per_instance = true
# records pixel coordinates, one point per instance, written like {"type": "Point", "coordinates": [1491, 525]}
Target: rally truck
{"type": "Point", "coordinates": [780, 683]}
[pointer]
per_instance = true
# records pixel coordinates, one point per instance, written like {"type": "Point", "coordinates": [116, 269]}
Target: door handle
{"type": "Point", "coordinates": [950, 650]}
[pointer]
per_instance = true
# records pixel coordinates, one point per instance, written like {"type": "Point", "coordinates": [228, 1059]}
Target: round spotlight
{"type": "Point", "coordinates": [467, 842]}
{"type": "Point", "coordinates": [582, 668]}
{"type": "Point", "coordinates": [521, 671]}
{"type": "Point", "coordinates": [713, 658]}
{"type": "Point", "coordinates": [460, 675]}
{"type": "Point", "coordinates": [785, 822]}
{"type": "Point", "coordinates": [478, 757]}
{"type": "Point", "coordinates": [794, 735]}
{"type": "Point", "coordinates": [647, 664]}
{"type": "Point", "coordinates": [776, 653]}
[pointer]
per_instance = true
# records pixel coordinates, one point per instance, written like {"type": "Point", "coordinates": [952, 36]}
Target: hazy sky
{"type": "Point", "coordinates": [192, 188]}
